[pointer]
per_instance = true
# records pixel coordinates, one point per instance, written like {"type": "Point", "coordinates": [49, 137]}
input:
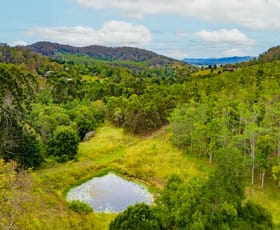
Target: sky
{"type": "Point", "coordinates": [175, 28]}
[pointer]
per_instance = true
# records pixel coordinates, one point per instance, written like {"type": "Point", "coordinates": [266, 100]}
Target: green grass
{"type": "Point", "coordinates": [269, 197]}
{"type": "Point", "coordinates": [149, 160]}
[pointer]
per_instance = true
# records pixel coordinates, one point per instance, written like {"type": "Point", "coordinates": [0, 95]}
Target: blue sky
{"type": "Point", "coordinates": [176, 28]}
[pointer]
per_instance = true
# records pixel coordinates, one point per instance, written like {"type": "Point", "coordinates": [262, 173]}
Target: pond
{"type": "Point", "coordinates": [110, 193]}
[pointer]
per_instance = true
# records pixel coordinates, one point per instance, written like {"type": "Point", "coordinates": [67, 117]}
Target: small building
{"type": "Point", "coordinates": [230, 69]}
{"type": "Point", "coordinates": [49, 72]}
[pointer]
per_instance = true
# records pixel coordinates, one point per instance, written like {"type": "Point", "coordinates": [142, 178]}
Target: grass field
{"type": "Point", "coordinates": [149, 160]}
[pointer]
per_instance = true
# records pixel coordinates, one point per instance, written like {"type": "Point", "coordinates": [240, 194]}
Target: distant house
{"type": "Point", "coordinates": [3, 44]}
{"type": "Point", "coordinates": [230, 69]}
{"type": "Point", "coordinates": [49, 72]}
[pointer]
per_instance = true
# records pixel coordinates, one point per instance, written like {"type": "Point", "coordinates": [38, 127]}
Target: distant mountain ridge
{"type": "Point", "coordinates": [217, 61]}
{"type": "Point", "coordinates": [101, 52]}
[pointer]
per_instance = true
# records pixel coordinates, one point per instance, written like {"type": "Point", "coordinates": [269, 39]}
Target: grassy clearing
{"type": "Point", "coordinates": [269, 197]}
{"type": "Point", "coordinates": [150, 160]}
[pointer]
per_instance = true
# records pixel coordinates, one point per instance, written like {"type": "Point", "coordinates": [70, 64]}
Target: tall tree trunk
{"type": "Point", "coordinates": [262, 179]}
{"type": "Point", "coordinates": [240, 125]}
{"type": "Point", "coordinates": [253, 145]}
{"type": "Point", "coordinates": [210, 158]}
{"type": "Point", "coordinates": [245, 141]}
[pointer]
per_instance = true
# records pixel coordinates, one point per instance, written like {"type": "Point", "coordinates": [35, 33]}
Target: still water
{"type": "Point", "coordinates": [110, 193]}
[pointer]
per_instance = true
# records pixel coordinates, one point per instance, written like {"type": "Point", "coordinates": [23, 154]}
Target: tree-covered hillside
{"type": "Point", "coordinates": [270, 55]}
{"type": "Point", "coordinates": [68, 93]}
{"type": "Point", "coordinates": [55, 50]}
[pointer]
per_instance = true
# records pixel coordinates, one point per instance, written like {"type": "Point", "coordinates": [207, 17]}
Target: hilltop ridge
{"type": "Point", "coordinates": [54, 50]}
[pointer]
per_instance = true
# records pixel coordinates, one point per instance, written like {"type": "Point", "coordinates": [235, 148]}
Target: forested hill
{"type": "Point", "coordinates": [100, 52]}
{"type": "Point", "coordinates": [271, 54]}
{"type": "Point", "coordinates": [20, 55]}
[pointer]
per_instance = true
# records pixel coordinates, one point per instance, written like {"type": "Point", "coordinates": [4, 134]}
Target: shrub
{"type": "Point", "coordinates": [64, 144]}
{"type": "Point", "coordinates": [80, 207]}
{"type": "Point", "coordinates": [137, 217]}
{"type": "Point", "coordinates": [29, 152]}
{"type": "Point", "coordinates": [256, 216]}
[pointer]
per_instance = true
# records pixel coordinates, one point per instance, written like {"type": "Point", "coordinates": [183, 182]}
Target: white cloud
{"type": "Point", "coordinates": [176, 53]}
{"type": "Point", "coordinates": [113, 33]}
{"type": "Point", "coordinates": [234, 52]}
{"type": "Point", "coordinates": [253, 14]}
{"type": "Point", "coordinates": [19, 43]}
{"type": "Point", "coordinates": [133, 8]}
{"type": "Point", "coordinates": [228, 37]}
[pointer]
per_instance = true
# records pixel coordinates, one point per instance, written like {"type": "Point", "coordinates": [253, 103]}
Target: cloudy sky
{"type": "Point", "coordinates": [176, 28]}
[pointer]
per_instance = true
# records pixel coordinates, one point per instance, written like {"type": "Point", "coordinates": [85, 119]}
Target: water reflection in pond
{"type": "Point", "coordinates": [109, 193]}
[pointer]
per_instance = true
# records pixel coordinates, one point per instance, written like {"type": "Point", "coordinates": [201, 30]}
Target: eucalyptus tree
{"type": "Point", "coordinates": [264, 150]}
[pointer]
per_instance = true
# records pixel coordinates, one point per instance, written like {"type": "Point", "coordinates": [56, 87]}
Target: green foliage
{"type": "Point", "coordinates": [115, 110]}
{"type": "Point", "coordinates": [84, 119]}
{"type": "Point", "coordinates": [15, 191]}
{"type": "Point", "coordinates": [29, 149]}
{"type": "Point", "coordinates": [270, 55]}
{"type": "Point", "coordinates": [139, 114]}
{"type": "Point", "coordinates": [214, 204]}
{"type": "Point", "coordinates": [217, 116]}
{"type": "Point", "coordinates": [225, 189]}
{"type": "Point", "coordinates": [63, 87]}
{"type": "Point", "coordinates": [178, 205]}
{"type": "Point", "coordinates": [264, 148]}
{"type": "Point", "coordinates": [197, 204]}
{"type": "Point", "coordinates": [137, 217]}
{"type": "Point", "coordinates": [276, 174]}
{"type": "Point", "coordinates": [228, 181]}
{"type": "Point", "coordinates": [99, 111]}
{"type": "Point", "coordinates": [122, 55]}
{"type": "Point", "coordinates": [47, 118]}
{"type": "Point", "coordinates": [18, 140]}
{"type": "Point", "coordinates": [257, 216]}
{"type": "Point", "coordinates": [84, 125]}
{"type": "Point", "coordinates": [22, 56]}
{"type": "Point", "coordinates": [64, 144]}
{"type": "Point", "coordinates": [239, 108]}
{"type": "Point", "coordinates": [80, 207]}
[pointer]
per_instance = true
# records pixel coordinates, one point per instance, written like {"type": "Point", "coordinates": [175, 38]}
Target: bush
{"type": "Point", "coordinates": [80, 207]}
{"type": "Point", "coordinates": [256, 216]}
{"type": "Point", "coordinates": [137, 217]}
{"type": "Point", "coordinates": [84, 124]}
{"type": "Point", "coordinates": [29, 152]}
{"type": "Point", "coordinates": [64, 144]}
{"type": "Point", "coordinates": [24, 147]}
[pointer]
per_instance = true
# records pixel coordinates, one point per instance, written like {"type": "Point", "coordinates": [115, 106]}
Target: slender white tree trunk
{"type": "Point", "coordinates": [253, 145]}
{"type": "Point", "coordinates": [262, 180]}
